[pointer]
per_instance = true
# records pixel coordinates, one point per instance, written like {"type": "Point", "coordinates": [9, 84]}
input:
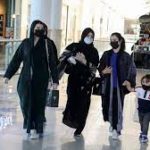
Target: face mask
{"type": "Point", "coordinates": [39, 33]}
{"type": "Point", "coordinates": [88, 40]}
{"type": "Point", "coordinates": [146, 88]}
{"type": "Point", "coordinates": [114, 45]}
{"type": "Point", "coordinates": [146, 36]}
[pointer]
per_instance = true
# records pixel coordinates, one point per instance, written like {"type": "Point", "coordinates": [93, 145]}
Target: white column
{"type": "Point", "coordinates": [41, 9]}
{"type": "Point", "coordinates": [48, 11]}
{"type": "Point", "coordinates": [55, 26]}
{"type": "Point", "coordinates": [17, 19]}
{"type": "Point", "coordinates": [24, 18]}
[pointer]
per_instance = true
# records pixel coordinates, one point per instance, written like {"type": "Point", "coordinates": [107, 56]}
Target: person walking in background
{"type": "Point", "coordinates": [81, 68]}
{"type": "Point", "coordinates": [38, 58]}
{"type": "Point", "coordinates": [116, 67]}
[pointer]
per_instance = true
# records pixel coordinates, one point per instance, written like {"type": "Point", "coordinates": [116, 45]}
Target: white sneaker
{"type": "Point", "coordinates": [114, 135]}
{"type": "Point", "coordinates": [26, 136]}
{"type": "Point", "coordinates": [34, 135]}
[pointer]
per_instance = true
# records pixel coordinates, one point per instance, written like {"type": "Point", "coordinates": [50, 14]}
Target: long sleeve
{"type": "Point", "coordinates": [102, 64]}
{"type": "Point", "coordinates": [55, 51]}
{"type": "Point", "coordinates": [53, 63]}
{"type": "Point", "coordinates": [15, 62]}
{"type": "Point", "coordinates": [131, 72]}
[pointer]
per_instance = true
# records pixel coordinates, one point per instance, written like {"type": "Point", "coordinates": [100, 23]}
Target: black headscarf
{"type": "Point", "coordinates": [88, 49]}
{"type": "Point", "coordinates": [46, 30]}
{"type": "Point", "coordinates": [34, 23]}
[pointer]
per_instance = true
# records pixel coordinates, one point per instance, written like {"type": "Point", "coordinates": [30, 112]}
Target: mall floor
{"type": "Point", "coordinates": [58, 136]}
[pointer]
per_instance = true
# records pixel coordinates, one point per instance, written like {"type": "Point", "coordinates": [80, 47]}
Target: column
{"type": "Point", "coordinates": [41, 9]}
{"type": "Point", "coordinates": [24, 18]}
{"type": "Point", "coordinates": [49, 11]}
{"type": "Point", "coordinates": [55, 26]}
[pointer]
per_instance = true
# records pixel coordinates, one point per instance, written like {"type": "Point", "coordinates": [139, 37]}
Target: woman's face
{"type": "Point", "coordinates": [146, 82]}
{"type": "Point", "coordinates": [39, 30]}
{"type": "Point", "coordinates": [114, 42]}
{"type": "Point", "coordinates": [38, 26]}
{"type": "Point", "coordinates": [90, 35]}
{"type": "Point", "coordinates": [89, 38]}
{"type": "Point", "coordinates": [114, 39]}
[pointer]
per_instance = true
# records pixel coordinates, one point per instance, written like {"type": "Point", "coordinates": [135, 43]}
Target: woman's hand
{"type": "Point", "coordinates": [52, 86]}
{"type": "Point", "coordinates": [55, 86]}
{"type": "Point", "coordinates": [107, 70]}
{"type": "Point", "coordinates": [6, 80]}
{"type": "Point", "coordinates": [81, 58]}
{"type": "Point", "coordinates": [49, 85]}
{"type": "Point", "coordinates": [71, 60]}
{"type": "Point", "coordinates": [128, 86]}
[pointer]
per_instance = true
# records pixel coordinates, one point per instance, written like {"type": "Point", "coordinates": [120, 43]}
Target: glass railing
{"type": "Point", "coordinates": [7, 50]}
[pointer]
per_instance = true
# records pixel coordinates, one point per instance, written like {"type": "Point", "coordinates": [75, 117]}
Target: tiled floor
{"type": "Point", "coordinates": [58, 136]}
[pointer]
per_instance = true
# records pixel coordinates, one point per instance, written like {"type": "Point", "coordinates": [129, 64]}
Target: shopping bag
{"type": "Point", "coordinates": [135, 114]}
{"type": "Point", "coordinates": [52, 98]}
{"type": "Point", "coordinates": [97, 86]}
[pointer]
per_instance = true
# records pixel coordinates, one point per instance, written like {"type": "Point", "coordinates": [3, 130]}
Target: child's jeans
{"type": "Point", "coordinates": [144, 119]}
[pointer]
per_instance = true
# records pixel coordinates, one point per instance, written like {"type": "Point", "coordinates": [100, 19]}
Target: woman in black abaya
{"type": "Point", "coordinates": [34, 77]}
{"type": "Point", "coordinates": [81, 69]}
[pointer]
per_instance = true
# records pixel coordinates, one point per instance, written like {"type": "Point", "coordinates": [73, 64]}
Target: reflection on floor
{"type": "Point", "coordinates": [59, 137]}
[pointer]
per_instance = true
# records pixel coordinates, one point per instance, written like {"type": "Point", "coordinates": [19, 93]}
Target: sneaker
{"type": "Point", "coordinates": [114, 135]}
{"type": "Point", "coordinates": [34, 135]}
{"type": "Point", "coordinates": [144, 139]}
{"type": "Point", "coordinates": [26, 136]}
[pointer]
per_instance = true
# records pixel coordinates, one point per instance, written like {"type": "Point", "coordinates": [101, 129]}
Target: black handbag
{"type": "Point", "coordinates": [97, 86]}
{"type": "Point", "coordinates": [52, 98]}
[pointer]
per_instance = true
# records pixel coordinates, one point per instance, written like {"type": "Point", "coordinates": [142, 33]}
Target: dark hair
{"type": "Point", "coordinates": [147, 76]}
{"type": "Point", "coordinates": [34, 23]}
{"type": "Point", "coordinates": [119, 36]}
{"type": "Point", "coordinates": [85, 32]}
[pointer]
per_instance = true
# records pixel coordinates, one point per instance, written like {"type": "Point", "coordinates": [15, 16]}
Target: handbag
{"type": "Point", "coordinates": [97, 86]}
{"type": "Point", "coordinates": [52, 98]}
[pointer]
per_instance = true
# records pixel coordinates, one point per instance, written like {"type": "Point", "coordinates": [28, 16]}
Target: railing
{"type": "Point", "coordinates": [7, 50]}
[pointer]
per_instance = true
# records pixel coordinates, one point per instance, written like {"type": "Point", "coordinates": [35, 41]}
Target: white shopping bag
{"type": "Point", "coordinates": [135, 114]}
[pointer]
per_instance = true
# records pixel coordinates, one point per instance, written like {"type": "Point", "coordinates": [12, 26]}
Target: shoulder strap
{"type": "Point", "coordinates": [47, 56]}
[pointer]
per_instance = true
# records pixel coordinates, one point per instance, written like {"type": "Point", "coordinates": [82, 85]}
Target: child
{"type": "Point", "coordinates": [143, 96]}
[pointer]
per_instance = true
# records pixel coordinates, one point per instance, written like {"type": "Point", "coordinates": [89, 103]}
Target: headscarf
{"type": "Point", "coordinates": [34, 23]}
{"type": "Point", "coordinates": [85, 32]}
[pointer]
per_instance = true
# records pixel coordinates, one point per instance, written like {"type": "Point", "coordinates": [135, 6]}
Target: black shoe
{"type": "Point", "coordinates": [77, 133]}
{"type": "Point", "coordinates": [41, 135]}
{"type": "Point", "coordinates": [44, 119]}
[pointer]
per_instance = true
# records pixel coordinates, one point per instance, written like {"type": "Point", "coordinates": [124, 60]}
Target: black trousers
{"type": "Point", "coordinates": [144, 119]}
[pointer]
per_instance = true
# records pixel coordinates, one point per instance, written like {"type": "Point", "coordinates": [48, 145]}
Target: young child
{"type": "Point", "coordinates": [143, 96]}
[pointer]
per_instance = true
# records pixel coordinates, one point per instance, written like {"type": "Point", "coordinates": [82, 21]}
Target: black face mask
{"type": "Point", "coordinates": [39, 33]}
{"type": "Point", "coordinates": [146, 88]}
{"type": "Point", "coordinates": [114, 45]}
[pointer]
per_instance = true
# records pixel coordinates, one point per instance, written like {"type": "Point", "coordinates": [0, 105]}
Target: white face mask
{"type": "Point", "coordinates": [88, 40]}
